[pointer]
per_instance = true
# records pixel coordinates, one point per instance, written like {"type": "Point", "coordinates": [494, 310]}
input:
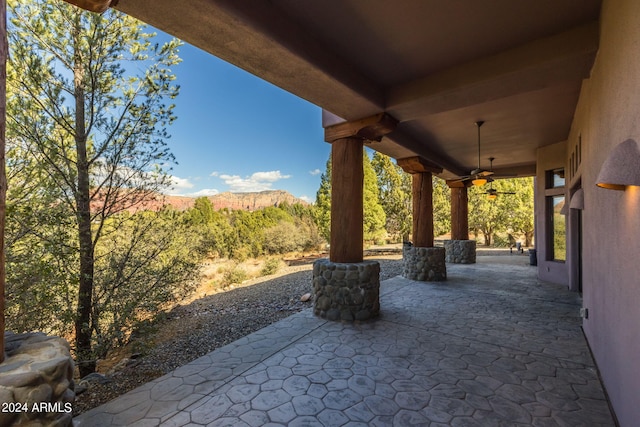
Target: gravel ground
{"type": "Point", "coordinates": [211, 322]}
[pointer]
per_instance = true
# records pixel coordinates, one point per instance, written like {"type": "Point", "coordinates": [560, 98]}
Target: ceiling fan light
{"type": "Point", "coordinates": [492, 196]}
{"type": "Point", "coordinates": [478, 182]}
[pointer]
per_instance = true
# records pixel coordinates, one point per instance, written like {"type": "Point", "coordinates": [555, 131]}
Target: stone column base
{"type": "Point", "coordinates": [346, 291]}
{"type": "Point", "coordinates": [424, 264]}
{"type": "Point", "coordinates": [460, 251]}
{"type": "Point", "coordinates": [36, 381]}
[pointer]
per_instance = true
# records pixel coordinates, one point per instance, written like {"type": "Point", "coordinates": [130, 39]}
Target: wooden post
{"type": "Point", "coordinates": [422, 171]}
{"type": "Point", "coordinates": [4, 53]}
{"type": "Point", "coordinates": [347, 178]}
{"type": "Point", "coordinates": [422, 210]}
{"type": "Point", "coordinates": [459, 213]}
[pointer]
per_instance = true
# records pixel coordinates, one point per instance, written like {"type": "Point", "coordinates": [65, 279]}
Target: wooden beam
{"type": "Point", "coordinates": [347, 178]}
{"type": "Point", "coordinates": [536, 65]}
{"type": "Point", "coordinates": [458, 184]}
{"type": "Point", "coordinates": [418, 165]}
{"type": "Point", "coordinates": [371, 128]}
{"type": "Point", "coordinates": [97, 6]}
{"type": "Point", "coordinates": [424, 150]}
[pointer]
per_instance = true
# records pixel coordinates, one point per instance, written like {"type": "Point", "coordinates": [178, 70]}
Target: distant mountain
{"type": "Point", "coordinates": [233, 201]}
{"type": "Point", "coordinates": [253, 201]}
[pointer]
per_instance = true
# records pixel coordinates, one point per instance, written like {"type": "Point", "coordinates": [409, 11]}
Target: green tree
{"type": "Point", "coordinates": [441, 207]}
{"type": "Point", "coordinates": [374, 217]}
{"type": "Point", "coordinates": [373, 214]}
{"type": "Point", "coordinates": [203, 212]}
{"type": "Point", "coordinates": [323, 203]}
{"type": "Point", "coordinates": [141, 264]}
{"type": "Point", "coordinates": [95, 126]}
{"type": "Point", "coordinates": [394, 189]}
{"type": "Point", "coordinates": [507, 213]}
{"type": "Point", "coordinates": [522, 216]}
{"type": "Point", "coordinates": [485, 215]}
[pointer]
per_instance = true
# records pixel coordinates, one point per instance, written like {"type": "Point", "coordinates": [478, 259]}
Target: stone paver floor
{"type": "Point", "coordinates": [492, 346]}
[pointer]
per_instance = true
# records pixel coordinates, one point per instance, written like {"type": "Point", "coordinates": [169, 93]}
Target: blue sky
{"type": "Point", "coordinates": [236, 132]}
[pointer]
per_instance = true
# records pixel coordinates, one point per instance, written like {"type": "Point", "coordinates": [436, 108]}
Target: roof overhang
{"type": "Point", "coordinates": [435, 67]}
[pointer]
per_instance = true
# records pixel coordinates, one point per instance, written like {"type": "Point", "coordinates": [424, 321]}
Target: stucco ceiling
{"type": "Point", "coordinates": [436, 66]}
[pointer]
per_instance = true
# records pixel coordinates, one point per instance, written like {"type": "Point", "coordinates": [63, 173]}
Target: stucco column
{"type": "Point", "coordinates": [346, 200]}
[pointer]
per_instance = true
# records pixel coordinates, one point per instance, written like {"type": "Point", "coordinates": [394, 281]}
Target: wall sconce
{"type": "Point", "coordinates": [577, 200]}
{"type": "Point", "coordinates": [622, 167]}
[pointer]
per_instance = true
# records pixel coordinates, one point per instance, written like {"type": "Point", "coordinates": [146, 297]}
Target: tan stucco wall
{"type": "Point", "coordinates": [548, 158]}
{"type": "Point", "coordinates": [608, 113]}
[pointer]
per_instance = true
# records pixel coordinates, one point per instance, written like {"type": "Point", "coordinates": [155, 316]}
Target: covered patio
{"type": "Point", "coordinates": [492, 346]}
{"type": "Point", "coordinates": [555, 83]}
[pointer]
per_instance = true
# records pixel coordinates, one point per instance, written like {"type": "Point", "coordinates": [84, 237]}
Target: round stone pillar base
{"type": "Point", "coordinates": [424, 264]}
{"type": "Point", "coordinates": [460, 251]}
{"type": "Point", "coordinates": [36, 381]}
{"type": "Point", "coordinates": [346, 291]}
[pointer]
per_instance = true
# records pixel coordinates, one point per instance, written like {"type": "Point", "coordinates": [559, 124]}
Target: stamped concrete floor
{"type": "Point", "coordinates": [492, 346]}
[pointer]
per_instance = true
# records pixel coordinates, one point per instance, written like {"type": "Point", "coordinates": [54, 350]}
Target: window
{"type": "Point", "coordinates": [558, 230]}
{"type": "Point", "coordinates": [555, 219]}
{"type": "Point", "coordinates": [555, 178]}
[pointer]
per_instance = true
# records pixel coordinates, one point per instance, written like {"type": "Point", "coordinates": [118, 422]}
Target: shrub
{"type": "Point", "coordinates": [234, 275]}
{"type": "Point", "coordinates": [282, 238]}
{"type": "Point", "coordinates": [500, 241]}
{"type": "Point", "coordinates": [271, 266]}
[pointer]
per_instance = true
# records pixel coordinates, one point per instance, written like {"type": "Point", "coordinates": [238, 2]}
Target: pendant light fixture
{"type": "Point", "coordinates": [479, 180]}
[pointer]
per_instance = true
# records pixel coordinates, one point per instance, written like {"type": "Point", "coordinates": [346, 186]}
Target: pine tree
{"type": "Point", "coordinates": [441, 207]}
{"type": "Point", "coordinates": [394, 186]}
{"type": "Point", "coordinates": [373, 215]}
{"type": "Point", "coordinates": [374, 218]}
{"type": "Point", "coordinates": [322, 212]}
{"type": "Point", "coordinates": [95, 127]}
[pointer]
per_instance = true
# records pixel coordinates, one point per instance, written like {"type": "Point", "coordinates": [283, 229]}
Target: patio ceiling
{"type": "Point", "coordinates": [436, 66]}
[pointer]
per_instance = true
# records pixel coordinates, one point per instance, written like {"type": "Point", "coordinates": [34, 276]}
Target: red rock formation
{"type": "Point", "coordinates": [232, 201]}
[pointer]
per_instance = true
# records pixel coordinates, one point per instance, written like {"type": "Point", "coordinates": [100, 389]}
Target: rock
{"type": "Point", "coordinates": [80, 389]}
{"type": "Point", "coordinates": [94, 378]}
{"type": "Point", "coordinates": [38, 370]}
{"type": "Point", "coordinates": [124, 363]}
{"type": "Point", "coordinates": [306, 297]}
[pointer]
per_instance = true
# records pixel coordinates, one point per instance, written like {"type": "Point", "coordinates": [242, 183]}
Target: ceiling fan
{"type": "Point", "coordinates": [492, 193]}
{"type": "Point", "coordinates": [478, 176]}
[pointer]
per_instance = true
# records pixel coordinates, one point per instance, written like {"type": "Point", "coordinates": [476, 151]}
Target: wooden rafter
{"type": "Point", "coordinates": [371, 128]}
{"type": "Point", "coordinates": [418, 165]}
